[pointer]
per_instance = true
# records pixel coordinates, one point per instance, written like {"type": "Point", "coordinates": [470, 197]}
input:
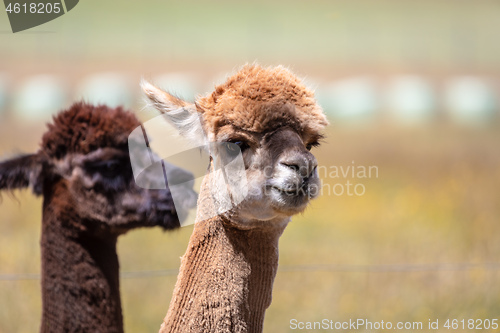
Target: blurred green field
{"type": "Point", "coordinates": [315, 37]}
{"type": "Point", "coordinates": [418, 245]}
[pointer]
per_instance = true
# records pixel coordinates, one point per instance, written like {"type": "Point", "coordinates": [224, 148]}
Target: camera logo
{"type": "Point", "coordinates": [28, 14]}
{"type": "Point", "coordinates": [151, 171]}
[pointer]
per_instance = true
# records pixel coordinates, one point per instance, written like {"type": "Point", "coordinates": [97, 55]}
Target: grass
{"type": "Point", "coordinates": [435, 202]}
{"type": "Point", "coordinates": [388, 252]}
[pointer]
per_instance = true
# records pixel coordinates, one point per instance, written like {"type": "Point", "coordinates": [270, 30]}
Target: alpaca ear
{"type": "Point", "coordinates": [21, 172]}
{"type": "Point", "coordinates": [183, 115]}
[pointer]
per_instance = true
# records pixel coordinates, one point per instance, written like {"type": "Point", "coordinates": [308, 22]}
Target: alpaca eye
{"type": "Point", "coordinates": [108, 169]}
{"type": "Point", "coordinates": [112, 165]}
{"type": "Point", "coordinates": [242, 145]}
{"type": "Point", "coordinates": [232, 149]}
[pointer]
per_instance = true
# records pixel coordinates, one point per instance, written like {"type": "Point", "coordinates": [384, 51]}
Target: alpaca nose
{"type": "Point", "coordinates": [303, 164]}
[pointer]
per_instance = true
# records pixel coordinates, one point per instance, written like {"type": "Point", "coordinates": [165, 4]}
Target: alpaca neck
{"type": "Point", "coordinates": [226, 277]}
{"type": "Point", "coordinates": [80, 282]}
{"type": "Point", "coordinates": [225, 281]}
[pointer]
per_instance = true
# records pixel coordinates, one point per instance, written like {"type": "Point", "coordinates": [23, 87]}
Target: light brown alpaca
{"type": "Point", "coordinates": [272, 119]}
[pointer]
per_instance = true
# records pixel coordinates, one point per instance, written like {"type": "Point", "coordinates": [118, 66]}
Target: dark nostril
{"type": "Point", "coordinates": [294, 167]}
{"type": "Point", "coordinates": [303, 165]}
{"type": "Point", "coordinates": [312, 171]}
{"type": "Point", "coordinates": [305, 179]}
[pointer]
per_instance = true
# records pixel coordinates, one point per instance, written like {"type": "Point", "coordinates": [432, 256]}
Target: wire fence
{"type": "Point", "coordinates": [433, 267]}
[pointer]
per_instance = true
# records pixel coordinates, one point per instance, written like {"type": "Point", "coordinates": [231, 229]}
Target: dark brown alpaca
{"type": "Point", "coordinates": [84, 173]}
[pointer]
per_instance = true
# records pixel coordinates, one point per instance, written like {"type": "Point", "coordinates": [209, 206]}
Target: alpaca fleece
{"type": "Point", "coordinates": [84, 128]}
{"type": "Point", "coordinates": [259, 99]}
{"type": "Point", "coordinates": [226, 277]}
{"type": "Point", "coordinates": [90, 197]}
{"type": "Point", "coordinates": [80, 283]}
{"type": "Point", "coordinates": [227, 273]}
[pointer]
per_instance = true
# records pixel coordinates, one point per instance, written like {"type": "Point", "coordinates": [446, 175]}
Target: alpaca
{"type": "Point", "coordinates": [84, 173]}
{"type": "Point", "coordinates": [268, 118]}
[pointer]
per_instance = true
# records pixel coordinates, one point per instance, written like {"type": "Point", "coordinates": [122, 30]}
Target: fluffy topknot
{"type": "Point", "coordinates": [84, 128]}
{"type": "Point", "coordinates": [257, 99]}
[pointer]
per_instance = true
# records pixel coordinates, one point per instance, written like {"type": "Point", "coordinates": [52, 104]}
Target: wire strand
{"type": "Point", "coordinates": [390, 268]}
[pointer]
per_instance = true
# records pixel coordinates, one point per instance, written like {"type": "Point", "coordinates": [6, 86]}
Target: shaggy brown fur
{"type": "Point", "coordinates": [247, 100]}
{"type": "Point", "coordinates": [84, 128]}
{"type": "Point", "coordinates": [90, 197]}
{"type": "Point", "coordinates": [226, 276]}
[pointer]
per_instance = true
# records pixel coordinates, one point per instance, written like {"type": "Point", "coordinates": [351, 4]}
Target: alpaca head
{"type": "Point", "coordinates": [83, 170]}
{"type": "Point", "coordinates": [270, 120]}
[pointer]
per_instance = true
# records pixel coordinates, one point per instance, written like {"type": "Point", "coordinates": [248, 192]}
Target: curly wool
{"type": "Point", "coordinates": [84, 128]}
{"type": "Point", "coordinates": [257, 99]}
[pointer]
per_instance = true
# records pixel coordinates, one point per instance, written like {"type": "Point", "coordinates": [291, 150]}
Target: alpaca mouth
{"type": "Point", "coordinates": [290, 191]}
{"type": "Point", "coordinates": [168, 221]}
{"type": "Point", "coordinates": [289, 200]}
{"type": "Point", "coordinates": [292, 196]}
{"type": "Point", "coordinates": [294, 190]}
{"type": "Point", "coordinates": [171, 215]}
